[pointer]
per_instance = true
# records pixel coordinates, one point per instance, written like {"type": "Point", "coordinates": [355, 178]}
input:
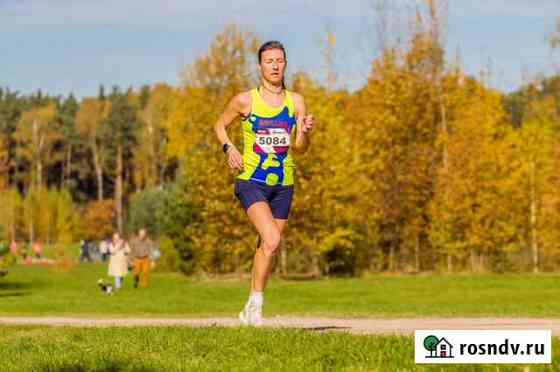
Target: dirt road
{"type": "Point", "coordinates": [405, 326]}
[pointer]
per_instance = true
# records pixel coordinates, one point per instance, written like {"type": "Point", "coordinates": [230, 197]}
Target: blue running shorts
{"type": "Point", "coordinates": [278, 197]}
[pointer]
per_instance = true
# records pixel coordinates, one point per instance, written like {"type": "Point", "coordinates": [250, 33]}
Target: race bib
{"type": "Point", "coordinates": [272, 141]}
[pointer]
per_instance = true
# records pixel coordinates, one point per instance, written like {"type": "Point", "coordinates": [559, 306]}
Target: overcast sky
{"type": "Point", "coordinates": [64, 46]}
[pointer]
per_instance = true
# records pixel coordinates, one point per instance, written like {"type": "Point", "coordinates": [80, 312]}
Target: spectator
{"type": "Point", "coordinates": [14, 248]}
{"type": "Point", "coordinates": [37, 249]}
{"type": "Point", "coordinates": [104, 249]}
{"type": "Point", "coordinates": [142, 249]}
{"type": "Point", "coordinates": [118, 262]}
{"type": "Point", "coordinates": [84, 252]}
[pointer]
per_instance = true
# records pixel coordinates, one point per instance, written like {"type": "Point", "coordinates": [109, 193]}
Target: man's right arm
{"type": "Point", "coordinates": [234, 109]}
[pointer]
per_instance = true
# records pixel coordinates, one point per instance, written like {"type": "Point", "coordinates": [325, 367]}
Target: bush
{"type": "Point", "coordinates": [6, 259]}
{"type": "Point", "coordinates": [99, 219]}
{"type": "Point", "coordinates": [166, 213]}
{"type": "Point", "coordinates": [170, 259]}
{"type": "Point", "coordinates": [143, 210]}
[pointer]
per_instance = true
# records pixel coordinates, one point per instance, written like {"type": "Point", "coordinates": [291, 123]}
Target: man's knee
{"type": "Point", "coordinates": [272, 244]}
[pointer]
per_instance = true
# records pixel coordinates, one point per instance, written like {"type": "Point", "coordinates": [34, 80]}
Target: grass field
{"type": "Point", "coordinates": [217, 349]}
{"type": "Point", "coordinates": [38, 291]}
{"type": "Point", "coordinates": [45, 291]}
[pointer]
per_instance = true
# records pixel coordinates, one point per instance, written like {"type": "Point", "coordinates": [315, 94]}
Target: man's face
{"type": "Point", "coordinates": [142, 233]}
{"type": "Point", "coordinates": [273, 65]}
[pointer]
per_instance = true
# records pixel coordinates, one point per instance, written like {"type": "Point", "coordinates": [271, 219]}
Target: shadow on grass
{"type": "Point", "coordinates": [324, 328]}
{"type": "Point", "coordinates": [11, 289]}
{"type": "Point", "coordinates": [14, 294]}
{"type": "Point", "coordinates": [316, 328]}
{"type": "Point", "coordinates": [14, 286]}
{"type": "Point", "coordinates": [100, 366]}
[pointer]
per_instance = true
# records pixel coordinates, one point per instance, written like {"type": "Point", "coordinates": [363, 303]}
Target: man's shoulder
{"type": "Point", "coordinates": [241, 101]}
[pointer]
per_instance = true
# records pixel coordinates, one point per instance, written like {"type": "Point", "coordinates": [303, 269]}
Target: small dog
{"type": "Point", "coordinates": [107, 288]}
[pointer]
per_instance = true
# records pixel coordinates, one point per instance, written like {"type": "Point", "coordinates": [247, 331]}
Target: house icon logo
{"type": "Point", "coordinates": [438, 347]}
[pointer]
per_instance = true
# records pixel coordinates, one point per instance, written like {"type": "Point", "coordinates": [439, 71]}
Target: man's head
{"type": "Point", "coordinates": [142, 233]}
{"type": "Point", "coordinates": [116, 237]}
{"type": "Point", "coordinates": [272, 62]}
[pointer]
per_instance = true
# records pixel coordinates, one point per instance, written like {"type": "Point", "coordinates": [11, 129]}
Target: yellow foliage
{"type": "Point", "coordinates": [37, 134]}
{"type": "Point", "coordinates": [150, 154]}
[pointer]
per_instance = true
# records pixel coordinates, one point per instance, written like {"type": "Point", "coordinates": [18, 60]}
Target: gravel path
{"type": "Point", "coordinates": [405, 326]}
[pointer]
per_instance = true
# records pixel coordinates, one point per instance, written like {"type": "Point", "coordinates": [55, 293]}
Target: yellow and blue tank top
{"type": "Point", "coordinates": [267, 134]}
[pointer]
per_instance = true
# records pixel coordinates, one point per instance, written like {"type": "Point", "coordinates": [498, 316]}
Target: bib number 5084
{"type": "Point", "coordinates": [273, 140]}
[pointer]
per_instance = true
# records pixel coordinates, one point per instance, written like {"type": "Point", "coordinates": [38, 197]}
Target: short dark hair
{"type": "Point", "coordinates": [269, 45]}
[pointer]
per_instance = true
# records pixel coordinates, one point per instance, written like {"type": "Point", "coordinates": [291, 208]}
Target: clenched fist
{"type": "Point", "coordinates": [308, 123]}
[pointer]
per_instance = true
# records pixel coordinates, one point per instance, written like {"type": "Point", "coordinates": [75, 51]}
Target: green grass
{"type": "Point", "coordinates": [45, 291]}
{"type": "Point", "coordinates": [217, 349]}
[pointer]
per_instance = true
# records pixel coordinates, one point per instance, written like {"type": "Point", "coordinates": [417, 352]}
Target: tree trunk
{"type": "Point", "coordinates": [392, 257]}
{"type": "Point", "coordinates": [67, 167]}
{"type": "Point", "coordinates": [417, 254]}
{"type": "Point", "coordinates": [16, 166]}
{"type": "Point", "coordinates": [49, 223]}
{"type": "Point", "coordinates": [533, 218]}
{"type": "Point", "coordinates": [161, 164]}
{"type": "Point", "coordinates": [63, 175]}
{"type": "Point", "coordinates": [119, 188]}
{"type": "Point", "coordinates": [445, 156]}
{"type": "Point", "coordinates": [99, 175]}
{"type": "Point", "coordinates": [31, 231]}
{"type": "Point", "coordinates": [315, 264]}
{"type": "Point", "coordinates": [36, 140]}
{"type": "Point", "coordinates": [39, 173]}
{"type": "Point", "coordinates": [155, 173]}
{"type": "Point", "coordinates": [153, 166]}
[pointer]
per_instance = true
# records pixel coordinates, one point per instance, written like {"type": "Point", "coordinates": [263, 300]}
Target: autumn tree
{"type": "Point", "coordinates": [11, 107]}
{"type": "Point", "coordinates": [10, 218]}
{"type": "Point", "coordinates": [37, 134]}
{"type": "Point", "coordinates": [119, 132]}
{"type": "Point", "coordinates": [223, 243]}
{"type": "Point", "coordinates": [89, 120]}
{"type": "Point", "coordinates": [150, 156]}
{"type": "Point", "coordinates": [70, 144]}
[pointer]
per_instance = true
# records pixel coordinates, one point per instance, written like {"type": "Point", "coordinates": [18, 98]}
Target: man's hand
{"type": "Point", "coordinates": [235, 160]}
{"type": "Point", "coordinates": [308, 123]}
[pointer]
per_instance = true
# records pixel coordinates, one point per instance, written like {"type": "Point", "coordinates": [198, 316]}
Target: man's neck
{"type": "Point", "coordinates": [271, 88]}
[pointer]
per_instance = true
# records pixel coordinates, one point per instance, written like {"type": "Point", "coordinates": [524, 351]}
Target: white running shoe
{"type": "Point", "coordinates": [251, 315]}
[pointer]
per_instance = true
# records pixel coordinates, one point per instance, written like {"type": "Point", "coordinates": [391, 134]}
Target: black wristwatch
{"type": "Point", "coordinates": [225, 147]}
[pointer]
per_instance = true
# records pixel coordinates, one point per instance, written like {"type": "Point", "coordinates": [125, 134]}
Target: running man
{"type": "Point", "coordinates": [265, 185]}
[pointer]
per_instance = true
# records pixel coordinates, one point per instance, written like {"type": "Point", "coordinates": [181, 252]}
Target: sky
{"type": "Point", "coordinates": [64, 46]}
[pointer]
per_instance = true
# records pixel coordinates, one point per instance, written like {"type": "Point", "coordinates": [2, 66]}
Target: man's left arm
{"type": "Point", "coordinates": [304, 125]}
